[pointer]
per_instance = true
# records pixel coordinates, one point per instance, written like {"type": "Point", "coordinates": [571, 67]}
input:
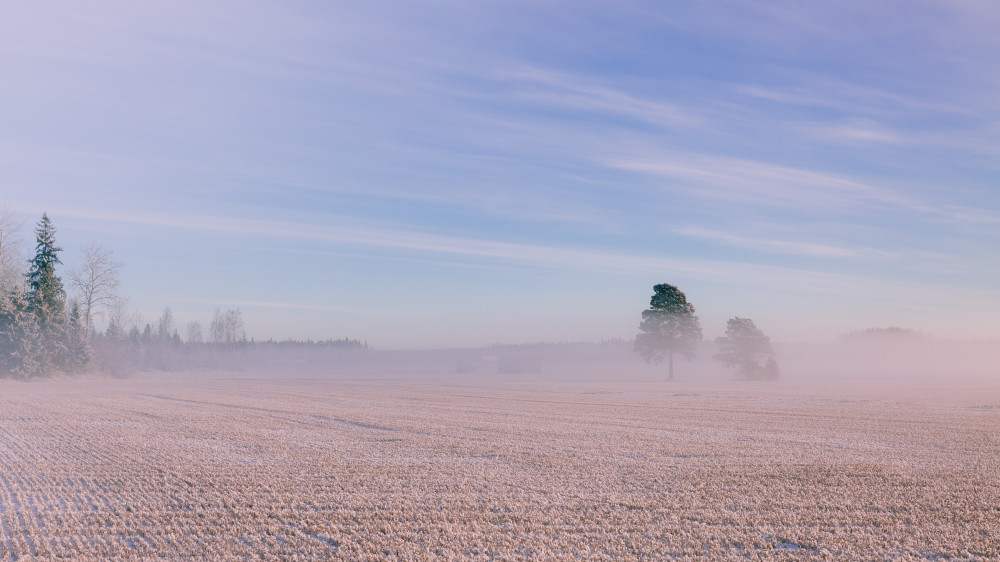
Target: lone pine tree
{"type": "Point", "coordinates": [668, 326]}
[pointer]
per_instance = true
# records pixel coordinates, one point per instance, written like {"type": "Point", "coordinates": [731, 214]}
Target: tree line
{"type": "Point", "coordinates": [48, 326]}
{"type": "Point", "coordinates": [670, 326]}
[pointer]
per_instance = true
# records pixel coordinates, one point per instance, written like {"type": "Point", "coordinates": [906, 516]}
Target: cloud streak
{"type": "Point", "coordinates": [560, 91]}
{"type": "Point", "coordinates": [768, 185]}
{"type": "Point", "coordinates": [757, 182]}
{"type": "Point", "coordinates": [785, 247]}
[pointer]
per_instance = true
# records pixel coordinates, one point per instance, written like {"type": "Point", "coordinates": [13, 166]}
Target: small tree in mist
{"type": "Point", "coordinates": [165, 326]}
{"type": "Point", "coordinates": [669, 326]}
{"type": "Point", "coordinates": [161, 344]}
{"type": "Point", "coordinates": [118, 350]}
{"type": "Point", "coordinates": [227, 330]}
{"type": "Point", "coordinates": [745, 348]}
{"type": "Point", "coordinates": [227, 327]}
{"type": "Point", "coordinates": [194, 335]}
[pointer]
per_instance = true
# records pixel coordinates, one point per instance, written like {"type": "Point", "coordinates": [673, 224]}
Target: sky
{"type": "Point", "coordinates": [443, 173]}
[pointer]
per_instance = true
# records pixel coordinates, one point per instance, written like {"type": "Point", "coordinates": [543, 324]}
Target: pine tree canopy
{"type": "Point", "coordinates": [45, 288]}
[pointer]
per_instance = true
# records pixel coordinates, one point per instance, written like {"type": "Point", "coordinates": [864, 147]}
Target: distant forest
{"type": "Point", "coordinates": [47, 325]}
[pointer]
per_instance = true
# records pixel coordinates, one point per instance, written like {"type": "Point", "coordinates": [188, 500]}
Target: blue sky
{"type": "Point", "coordinates": [460, 173]}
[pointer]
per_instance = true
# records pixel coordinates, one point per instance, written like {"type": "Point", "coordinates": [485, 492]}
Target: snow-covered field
{"type": "Point", "coordinates": [451, 468]}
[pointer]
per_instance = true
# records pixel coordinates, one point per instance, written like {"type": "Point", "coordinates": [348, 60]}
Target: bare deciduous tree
{"type": "Point", "coordinates": [194, 334]}
{"type": "Point", "coordinates": [11, 260]}
{"type": "Point", "coordinates": [226, 331]}
{"type": "Point", "coordinates": [227, 328]}
{"type": "Point", "coordinates": [165, 325]}
{"type": "Point", "coordinates": [96, 281]}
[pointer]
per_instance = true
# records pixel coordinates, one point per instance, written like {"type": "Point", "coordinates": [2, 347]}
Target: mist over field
{"type": "Point", "coordinates": [544, 451]}
{"type": "Point", "coordinates": [902, 363]}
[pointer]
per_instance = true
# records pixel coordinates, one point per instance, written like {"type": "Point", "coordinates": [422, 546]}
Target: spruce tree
{"type": "Point", "coordinates": [47, 298]}
{"type": "Point", "coordinates": [45, 289]}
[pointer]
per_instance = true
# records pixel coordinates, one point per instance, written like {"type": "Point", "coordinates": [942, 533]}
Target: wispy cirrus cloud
{"type": "Point", "coordinates": [969, 215]}
{"type": "Point", "coordinates": [562, 91]}
{"type": "Point", "coordinates": [786, 247]}
{"type": "Point", "coordinates": [760, 183]}
{"type": "Point", "coordinates": [854, 131]}
{"type": "Point", "coordinates": [822, 92]}
{"type": "Point", "coordinates": [757, 182]}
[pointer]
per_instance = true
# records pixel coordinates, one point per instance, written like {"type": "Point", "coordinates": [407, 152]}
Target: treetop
{"type": "Point", "coordinates": [668, 298]}
{"type": "Point", "coordinates": [46, 251]}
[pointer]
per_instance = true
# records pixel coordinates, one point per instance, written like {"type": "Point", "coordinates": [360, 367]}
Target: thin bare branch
{"type": "Point", "coordinates": [96, 281]}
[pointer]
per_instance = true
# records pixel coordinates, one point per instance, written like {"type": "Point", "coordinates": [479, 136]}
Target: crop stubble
{"type": "Point", "coordinates": [457, 469]}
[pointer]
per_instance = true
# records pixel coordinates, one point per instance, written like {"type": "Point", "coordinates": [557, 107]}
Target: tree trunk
{"type": "Point", "coordinates": [87, 325]}
{"type": "Point", "coordinates": [671, 366]}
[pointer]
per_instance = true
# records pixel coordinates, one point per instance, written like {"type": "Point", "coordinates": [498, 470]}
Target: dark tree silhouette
{"type": "Point", "coordinates": [669, 326]}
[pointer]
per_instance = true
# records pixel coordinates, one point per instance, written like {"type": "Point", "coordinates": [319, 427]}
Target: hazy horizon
{"type": "Point", "coordinates": [444, 174]}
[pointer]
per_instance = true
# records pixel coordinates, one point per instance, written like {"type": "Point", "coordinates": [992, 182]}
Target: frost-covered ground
{"type": "Point", "coordinates": [426, 469]}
